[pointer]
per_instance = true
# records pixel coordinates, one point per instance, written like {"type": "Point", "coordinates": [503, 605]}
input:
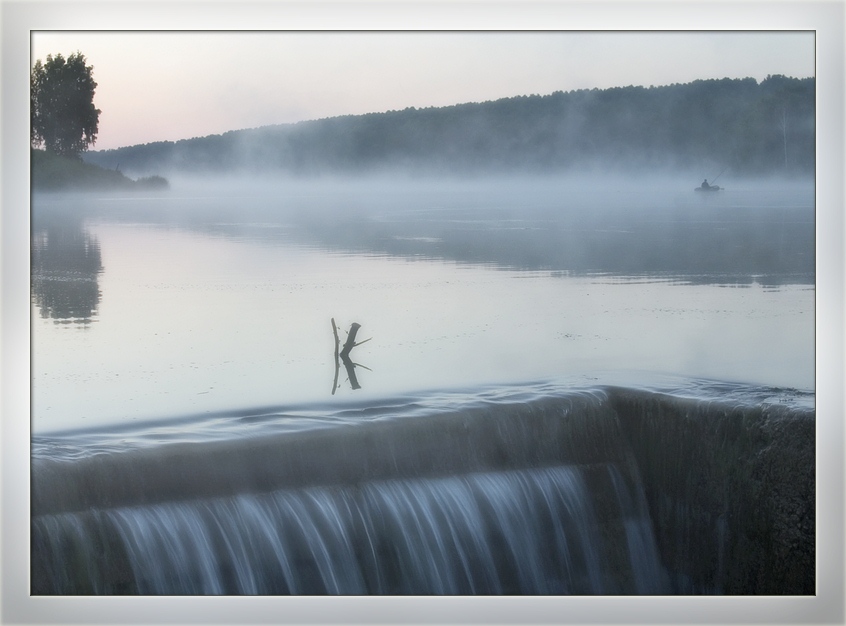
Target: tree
{"type": "Point", "coordinates": [62, 112]}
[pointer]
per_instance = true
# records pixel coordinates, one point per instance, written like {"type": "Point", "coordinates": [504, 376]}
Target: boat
{"type": "Point", "coordinates": [709, 188]}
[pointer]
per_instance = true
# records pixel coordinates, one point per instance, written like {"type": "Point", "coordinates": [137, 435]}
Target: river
{"type": "Point", "coordinates": [200, 324]}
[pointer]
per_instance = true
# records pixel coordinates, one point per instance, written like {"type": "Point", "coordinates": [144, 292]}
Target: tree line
{"type": "Point", "coordinates": [756, 128]}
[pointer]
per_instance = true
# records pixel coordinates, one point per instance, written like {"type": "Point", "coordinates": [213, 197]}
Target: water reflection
{"type": "Point", "coordinates": [756, 235]}
{"type": "Point", "coordinates": [705, 244]}
{"type": "Point", "coordinates": [342, 355]}
{"type": "Point", "coordinates": [201, 313]}
{"type": "Point", "coordinates": [66, 264]}
{"type": "Point", "coordinates": [759, 235]}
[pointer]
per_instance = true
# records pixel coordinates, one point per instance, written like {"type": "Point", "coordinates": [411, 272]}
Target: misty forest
{"type": "Point", "coordinates": [753, 128]}
{"type": "Point", "coordinates": [501, 348]}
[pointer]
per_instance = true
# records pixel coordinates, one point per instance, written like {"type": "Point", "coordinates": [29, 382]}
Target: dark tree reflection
{"type": "Point", "coordinates": [66, 264]}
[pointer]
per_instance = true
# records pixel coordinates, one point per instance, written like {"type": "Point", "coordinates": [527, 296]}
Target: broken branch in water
{"type": "Point", "coordinates": [350, 343]}
{"type": "Point", "coordinates": [343, 356]}
{"type": "Point", "coordinates": [350, 367]}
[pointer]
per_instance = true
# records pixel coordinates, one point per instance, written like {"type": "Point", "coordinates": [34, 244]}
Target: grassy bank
{"type": "Point", "coordinates": [50, 172]}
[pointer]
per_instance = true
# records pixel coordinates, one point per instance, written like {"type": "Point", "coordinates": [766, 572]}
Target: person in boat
{"type": "Point", "coordinates": [705, 184]}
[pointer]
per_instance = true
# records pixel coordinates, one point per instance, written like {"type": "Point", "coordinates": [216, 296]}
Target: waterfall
{"type": "Point", "coordinates": [614, 492]}
{"type": "Point", "coordinates": [516, 532]}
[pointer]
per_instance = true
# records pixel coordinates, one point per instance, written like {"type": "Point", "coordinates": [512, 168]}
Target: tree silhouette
{"type": "Point", "coordinates": [62, 112]}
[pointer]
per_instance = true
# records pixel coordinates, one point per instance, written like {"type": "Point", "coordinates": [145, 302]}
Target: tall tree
{"type": "Point", "coordinates": [62, 112]}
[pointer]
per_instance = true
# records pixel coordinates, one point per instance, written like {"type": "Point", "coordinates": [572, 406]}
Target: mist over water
{"type": "Point", "coordinates": [581, 385]}
{"type": "Point", "coordinates": [219, 294]}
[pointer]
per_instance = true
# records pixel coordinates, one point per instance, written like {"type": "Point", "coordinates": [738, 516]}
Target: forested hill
{"type": "Point", "coordinates": [754, 128]}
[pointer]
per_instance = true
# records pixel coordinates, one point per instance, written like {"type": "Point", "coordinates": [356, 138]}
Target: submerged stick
{"type": "Point", "coordinates": [337, 341]}
{"type": "Point", "coordinates": [337, 365]}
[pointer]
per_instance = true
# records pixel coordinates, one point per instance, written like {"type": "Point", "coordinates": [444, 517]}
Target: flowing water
{"type": "Point", "coordinates": [195, 429]}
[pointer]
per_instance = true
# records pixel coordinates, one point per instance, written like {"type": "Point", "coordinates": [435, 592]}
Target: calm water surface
{"type": "Point", "coordinates": [202, 302]}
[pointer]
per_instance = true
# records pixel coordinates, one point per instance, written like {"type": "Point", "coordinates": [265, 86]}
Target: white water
{"type": "Point", "coordinates": [524, 532]}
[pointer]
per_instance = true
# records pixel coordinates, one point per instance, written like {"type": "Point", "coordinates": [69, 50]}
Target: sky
{"type": "Point", "coordinates": [157, 86]}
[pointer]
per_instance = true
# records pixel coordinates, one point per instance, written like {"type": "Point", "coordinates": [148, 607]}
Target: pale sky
{"type": "Point", "coordinates": [155, 86]}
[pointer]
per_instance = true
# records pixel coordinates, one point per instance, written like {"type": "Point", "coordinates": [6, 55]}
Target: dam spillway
{"type": "Point", "coordinates": [609, 491]}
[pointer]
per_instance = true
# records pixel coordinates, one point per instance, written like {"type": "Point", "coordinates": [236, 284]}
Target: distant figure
{"type": "Point", "coordinates": [705, 184]}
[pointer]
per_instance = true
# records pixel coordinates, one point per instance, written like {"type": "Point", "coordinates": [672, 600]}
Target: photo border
{"type": "Point", "coordinates": [19, 18]}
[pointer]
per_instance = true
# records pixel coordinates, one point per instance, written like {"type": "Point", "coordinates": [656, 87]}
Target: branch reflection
{"type": "Point", "coordinates": [342, 355]}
